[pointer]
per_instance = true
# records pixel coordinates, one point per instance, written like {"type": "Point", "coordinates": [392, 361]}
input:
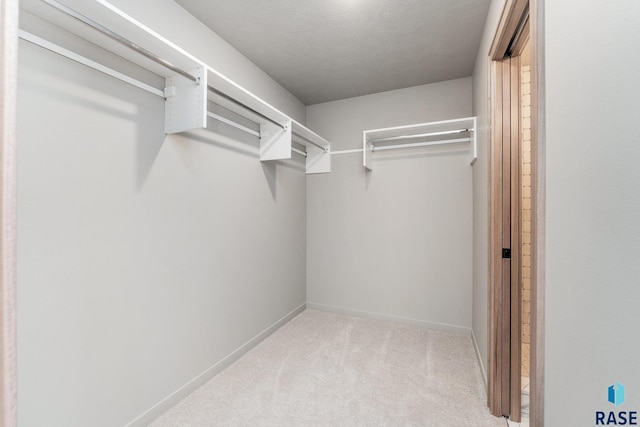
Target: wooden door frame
{"type": "Point", "coordinates": [508, 25]}
{"type": "Point", "coordinates": [8, 102]}
{"type": "Point", "coordinates": [538, 168]}
{"type": "Point", "coordinates": [505, 271]}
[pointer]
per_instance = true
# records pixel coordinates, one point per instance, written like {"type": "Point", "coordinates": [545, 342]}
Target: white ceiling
{"type": "Point", "coordinates": [323, 50]}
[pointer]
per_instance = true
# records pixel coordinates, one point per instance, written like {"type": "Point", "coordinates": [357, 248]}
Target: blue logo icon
{"type": "Point", "coordinates": [616, 394]}
{"type": "Point", "coordinates": [616, 418]}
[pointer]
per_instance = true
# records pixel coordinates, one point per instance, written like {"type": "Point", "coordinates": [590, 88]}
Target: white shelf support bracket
{"type": "Point", "coordinates": [367, 153]}
{"type": "Point", "coordinates": [185, 106]}
{"type": "Point", "coordinates": [275, 142]}
{"type": "Point", "coordinates": [474, 142]}
{"type": "Point", "coordinates": [318, 160]}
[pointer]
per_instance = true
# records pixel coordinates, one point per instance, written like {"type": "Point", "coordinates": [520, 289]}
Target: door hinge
{"type": "Point", "coordinates": [506, 253]}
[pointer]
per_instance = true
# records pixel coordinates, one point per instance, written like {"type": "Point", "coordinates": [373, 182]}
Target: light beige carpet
{"type": "Point", "coordinates": [324, 369]}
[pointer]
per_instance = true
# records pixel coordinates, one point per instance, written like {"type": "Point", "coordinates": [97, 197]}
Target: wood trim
{"type": "Point", "coordinates": [515, 139]}
{"type": "Point", "coordinates": [505, 226]}
{"type": "Point", "coordinates": [495, 261]}
{"type": "Point", "coordinates": [505, 304]}
{"type": "Point", "coordinates": [8, 102]}
{"type": "Point", "coordinates": [538, 149]}
{"type": "Point", "coordinates": [521, 42]}
{"type": "Point", "coordinates": [511, 14]}
{"type": "Point", "coordinates": [505, 301]}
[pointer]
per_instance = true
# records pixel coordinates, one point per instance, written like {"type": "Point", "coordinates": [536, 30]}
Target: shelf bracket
{"type": "Point", "coordinates": [275, 142]}
{"type": "Point", "coordinates": [185, 105]}
{"type": "Point", "coordinates": [474, 141]}
{"type": "Point", "coordinates": [318, 160]}
{"type": "Point", "coordinates": [367, 154]}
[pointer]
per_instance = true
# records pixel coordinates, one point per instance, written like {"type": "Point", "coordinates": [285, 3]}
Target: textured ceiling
{"type": "Point", "coordinates": [323, 50]}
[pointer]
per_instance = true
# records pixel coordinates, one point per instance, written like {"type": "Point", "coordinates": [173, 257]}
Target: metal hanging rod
{"type": "Point", "coordinates": [355, 150]}
{"type": "Point", "coordinates": [421, 135]}
{"type": "Point", "coordinates": [311, 142]}
{"type": "Point", "coordinates": [232, 123]}
{"type": "Point", "coordinates": [295, 150]}
{"type": "Point", "coordinates": [38, 41]}
{"type": "Point", "coordinates": [246, 129]}
{"type": "Point", "coordinates": [117, 37]}
{"type": "Point", "coordinates": [420, 144]}
{"type": "Point", "coordinates": [259, 114]}
{"type": "Point", "coordinates": [246, 107]}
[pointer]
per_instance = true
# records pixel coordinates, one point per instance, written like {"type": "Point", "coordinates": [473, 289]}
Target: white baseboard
{"type": "Point", "coordinates": [482, 369]}
{"type": "Point", "coordinates": [379, 316]}
{"type": "Point", "coordinates": [165, 404]}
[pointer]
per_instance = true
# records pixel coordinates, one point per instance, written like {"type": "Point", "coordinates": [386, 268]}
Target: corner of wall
{"type": "Point", "coordinates": [168, 402]}
{"type": "Point", "coordinates": [479, 357]}
{"type": "Point", "coordinates": [481, 183]}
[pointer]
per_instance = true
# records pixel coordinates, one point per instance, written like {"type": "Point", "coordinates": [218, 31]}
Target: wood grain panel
{"type": "Point", "coordinates": [515, 281]}
{"type": "Point", "coordinates": [508, 25]}
{"type": "Point", "coordinates": [505, 232]}
{"type": "Point", "coordinates": [538, 208]}
{"type": "Point", "coordinates": [505, 283]}
{"type": "Point", "coordinates": [495, 241]}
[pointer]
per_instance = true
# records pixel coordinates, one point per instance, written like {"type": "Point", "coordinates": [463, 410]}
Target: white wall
{"type": "Point", "coordinates": [481, 184]}
{"type": "Point", "coordinates": [592, 208]}
{"type": "Point", "coordinates": [397, 241]}
{"type": "Point", "coordinates": [143, 259]}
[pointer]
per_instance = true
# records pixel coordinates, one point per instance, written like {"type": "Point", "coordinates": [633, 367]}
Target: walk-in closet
{"type": "Point", "coordinates": [177, 206]}
{"type": "Point", "coordinates": [295, 213]}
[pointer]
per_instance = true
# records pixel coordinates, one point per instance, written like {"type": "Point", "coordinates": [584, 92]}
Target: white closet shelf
{"type": "Point", "coordinates": [189, 82]}
{"type": "Point", "coordinates": [455, 131]}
